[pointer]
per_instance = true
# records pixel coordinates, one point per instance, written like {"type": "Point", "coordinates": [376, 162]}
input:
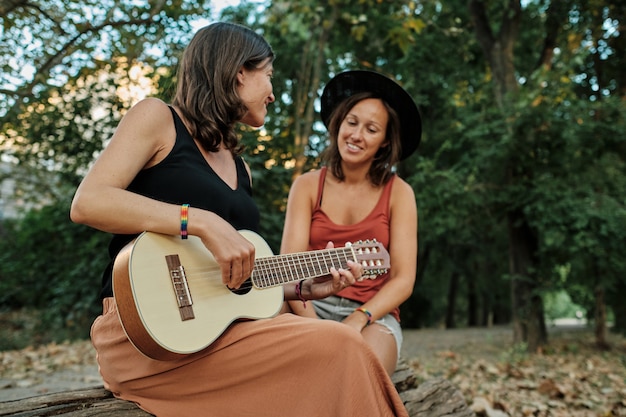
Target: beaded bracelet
{"type": "Point", "coordinates": [367, 313]}
{"type": "Point", "coordinates": [299, 293]}
{"type": "Point", "coordinates": [184, 218]}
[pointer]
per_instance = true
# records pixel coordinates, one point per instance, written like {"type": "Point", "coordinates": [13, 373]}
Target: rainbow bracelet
{"type": "Point", "coordinates": [184, 219]}
{"type": "Point", "coordinates": [367, 313]}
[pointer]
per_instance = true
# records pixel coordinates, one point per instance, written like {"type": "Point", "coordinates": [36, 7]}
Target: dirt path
{"type": "Point", "coordinates": [571, 377]}
{"type": "Point", "coordinates": [72, 366]}
{"type": "Point", "coordinates": [47, 369]}
{"type": "Point", "coordinates": [481, 342]}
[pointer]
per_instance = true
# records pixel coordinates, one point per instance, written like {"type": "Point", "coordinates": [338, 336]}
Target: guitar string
{"type": "Point", "coordinates": [261, 270]}
{"type": "Point", "coordinates": [265, 269]}
{"type": "Point", "coordinates": [307, 270]}
{"type": "Point", "coordinates": [201, 278]}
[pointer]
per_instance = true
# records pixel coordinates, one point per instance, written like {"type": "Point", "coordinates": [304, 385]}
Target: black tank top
{"type": "Point", "coordinates": [184, 176]}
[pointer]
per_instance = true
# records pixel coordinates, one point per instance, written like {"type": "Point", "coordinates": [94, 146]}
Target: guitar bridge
{"type": "Point", "coordinates": [181, 287]}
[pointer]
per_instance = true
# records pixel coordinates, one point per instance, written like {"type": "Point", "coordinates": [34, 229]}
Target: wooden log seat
{"type": "Point", "coordinates": [431, 398]}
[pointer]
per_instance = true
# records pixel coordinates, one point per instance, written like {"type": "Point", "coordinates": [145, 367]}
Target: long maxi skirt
{"type": "Point", "coordinates": [278, 367]}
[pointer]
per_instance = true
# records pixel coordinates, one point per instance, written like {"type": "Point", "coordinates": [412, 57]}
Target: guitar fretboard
{"type": "Point", "coordinates": [278, 270]}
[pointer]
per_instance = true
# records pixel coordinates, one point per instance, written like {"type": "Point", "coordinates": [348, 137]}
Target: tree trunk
{"type": "Point", "coordinates": [488, 315]}
{"type": "Point", "coordinates": [473, 305]}
{"type": "Point", "coordinates": [527, 306]}
{"type": "Point", "coordinates": [308, 82]}
{"type": "Point", "coordinates": [451, 305]}
{"type": "Point", "coordinates": [527, 309]}
{"type": "Point", "coordinates": [600, 328]}
{"type": "Point", "coordinates": [618, 306]}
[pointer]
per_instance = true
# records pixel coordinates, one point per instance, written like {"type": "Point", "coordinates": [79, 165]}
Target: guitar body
{"type": "Point", "coordinates": [147, 302]}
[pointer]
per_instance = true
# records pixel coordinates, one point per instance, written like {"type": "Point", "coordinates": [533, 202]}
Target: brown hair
{"type": "Point", "coordinates": [206, 91]}
{"type": "Point", "coordinates": [387, 156]}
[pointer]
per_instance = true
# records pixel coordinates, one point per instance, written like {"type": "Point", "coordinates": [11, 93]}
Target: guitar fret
{"type": "Point", "coordinates": [269, 272]}
{"type": "Point", "coordinates": [309, 260]}
{"type": "Point", "coordinates": [303, 264]}
{"type": "Point", "coordinates": [339, 259]}
{"type": "Point", "coordinates": [319, 265]}
{"type": "Point", "coordinates": [326, 258]}
{"type": "Point", "coordinates": [272, 272]}
{"type": "Point", "coordinates": [265, 272]}
{"type": "Point", "coordinates": [292, 265]}
{"type": "Point", "coordinates": [281, 269]}
{"type": "Point", "coordinates": [310, 264]}
{"type": "Point", "coordinates": [259, 267]}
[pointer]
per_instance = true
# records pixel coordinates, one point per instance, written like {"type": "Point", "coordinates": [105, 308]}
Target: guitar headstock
{"type": "Point", "coordinates": [373, 256]}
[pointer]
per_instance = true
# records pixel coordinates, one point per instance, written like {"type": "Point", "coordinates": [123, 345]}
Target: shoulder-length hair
{"type": "Point", "coordinates": [206, 91]}
{"type": "Point", "coordinates": [387, 156]}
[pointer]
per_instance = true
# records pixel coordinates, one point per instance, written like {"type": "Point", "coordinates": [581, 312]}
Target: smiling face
{"type": "Point", "coordinates": [363, 131]}
{"type": "Point", "coordinates": [256, 92]}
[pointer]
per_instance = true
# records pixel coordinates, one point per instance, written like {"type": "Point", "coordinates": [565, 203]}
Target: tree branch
{"type": "Point", "coordinates": [509, 28]}
{"type": "Point", "coordinates": [555, 15]}
{"type": "Point", "coordinates": [7, 6]}
{"type": "Point", "coordinates": [42, 72]}
{"type": "Point", "coordinates": [482, 28]}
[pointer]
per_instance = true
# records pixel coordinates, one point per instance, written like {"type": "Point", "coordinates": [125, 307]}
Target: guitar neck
{"type": "Point", "coordinates": [278, 270]}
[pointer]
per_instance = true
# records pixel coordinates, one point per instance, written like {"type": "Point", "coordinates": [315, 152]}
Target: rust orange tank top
{"type": "Point", "coordinates": [374, 226]}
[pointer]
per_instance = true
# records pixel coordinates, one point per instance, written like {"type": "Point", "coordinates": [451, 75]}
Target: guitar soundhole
{"type": "Point", "coordinates": [244, 289]}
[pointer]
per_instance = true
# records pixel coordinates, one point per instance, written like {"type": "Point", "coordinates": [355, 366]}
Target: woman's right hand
{"type": "Point", "coordinates": [232, 251]}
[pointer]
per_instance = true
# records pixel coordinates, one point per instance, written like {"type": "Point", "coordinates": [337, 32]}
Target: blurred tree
{"type": "Point", "coordinates": [536, 132]}
{"type": "Point", "coordinates": [69, 71]}
{"type": "Point", "coordinates": [519, 177]}
{"type": "Point", "coordinates": [52, 266]}
{"type": "Point", "coordinates": [70, 68]}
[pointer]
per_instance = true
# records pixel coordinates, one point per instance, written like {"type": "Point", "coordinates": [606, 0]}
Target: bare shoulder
{"type": "Point", "coordinates": [304, 188]}
{"type": "Point", "coordinates": [402, 187]}
{"type": "Point", "coordinates": [146, 133]}
{"type": "Point", "coordinates": [307, 180]}
{"type": "Point", "coordinates": [153, 113]}
{"type": "Point", "coordinates": [149, 121]}
{"type": "Point", "coordinates": [401, 190]}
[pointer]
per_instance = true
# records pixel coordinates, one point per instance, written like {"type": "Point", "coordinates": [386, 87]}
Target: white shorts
{"type": "Point", "coordinates": [337, 308]}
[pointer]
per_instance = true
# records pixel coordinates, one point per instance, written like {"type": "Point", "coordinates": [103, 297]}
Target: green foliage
{"type": "Point", "coordinates": [574, 199]}
{"type": "Point", "coordinates": [558, 305]}
{"type": "Point", "coordinates": [555, 155]}
{"type": "Point", "coordinates": [516, 354]}
{"type": "Point", "coordinates": [61, 97]}
{"type": "Point", "coordinates": [270, 186]}
{"type": "Point", "coordinates": [53, 266]}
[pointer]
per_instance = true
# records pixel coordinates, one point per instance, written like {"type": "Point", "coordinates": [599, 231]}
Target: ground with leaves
{"type": "Point", "coordinates": [569, 378]}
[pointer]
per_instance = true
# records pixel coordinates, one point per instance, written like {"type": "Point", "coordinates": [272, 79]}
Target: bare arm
{"type": "Point", "coordinates": [300, 206]}
{"type": "Point", "coordinates": [403, 257]}
{"type": "Point", "coordinates": [295, 238]}
{"type": "Point", "coordinates": [143, 138]}
{"type": "Point", "coordinates": [101, 201]}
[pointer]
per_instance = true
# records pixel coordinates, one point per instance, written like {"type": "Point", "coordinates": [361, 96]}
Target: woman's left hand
{"type": "Point", "coordinates": [322, 287]}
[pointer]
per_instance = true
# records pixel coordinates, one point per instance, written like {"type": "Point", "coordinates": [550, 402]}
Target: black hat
{"type": "Point", "coordinates": [349, 83]}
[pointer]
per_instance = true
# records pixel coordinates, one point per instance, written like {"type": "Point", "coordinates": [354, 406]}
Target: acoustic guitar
{"type": "Point", "coordinates": [170, 296]}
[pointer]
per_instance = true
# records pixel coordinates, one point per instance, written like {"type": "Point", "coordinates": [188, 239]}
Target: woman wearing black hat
{"type": "Point", "coordinates": [372, 124]}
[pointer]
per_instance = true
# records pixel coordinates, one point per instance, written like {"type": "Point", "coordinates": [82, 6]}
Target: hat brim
{"type": "Point", "coordinates": [349, 83]}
